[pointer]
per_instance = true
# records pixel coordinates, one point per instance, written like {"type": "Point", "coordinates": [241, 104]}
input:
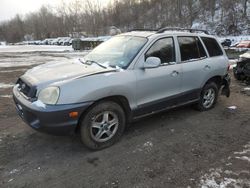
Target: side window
{"type": "Point", "coordinates": [212, 46]}
{"type": "Point", "coordinates": [191, 48]}
{"type": "Point", "coordinates": [164, 49]}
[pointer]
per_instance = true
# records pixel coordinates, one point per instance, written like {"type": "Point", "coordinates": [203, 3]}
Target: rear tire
{"type": "Point", "coordinates": [208, 97]}
{"type": "Point", "coordinates": [102, 125]}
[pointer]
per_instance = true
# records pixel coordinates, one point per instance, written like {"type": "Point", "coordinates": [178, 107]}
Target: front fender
{"type": "Point", "coordinates": [96, 87]}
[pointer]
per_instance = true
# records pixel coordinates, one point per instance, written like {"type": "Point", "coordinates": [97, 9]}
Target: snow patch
{"type": "Point", "coordinates": [10, 180]}
{"type": "Point", "coordinates": [146, 147]}
{"type": "Point", "coordinates": [232, 107]}
{"type": "Point", "coordinates": [148, 144]}
{"type": "Point", "coordinates": [35, 48]}
{"type": "Point", "coordinates": [5, 86]}
{"type": "Point", "coordinates": [2, 44]}
{"type": "Point", "coordinates": [242, 152]}
{"type": "Point", "coordinates": [14, 171]}
{"type": "Point", "coordinates": [246, 89]}
{"type": "Point", "coordinates": [19, 64]}
{"type": "Point", "coordinates": [217, 178]}
{"type": "Point", "coordinates": [244, 158]}
{"type": "Point", "coordinates": [9, 71]}
{"type": "Point", "coordinates": [6, 96]}
{"type": "Point", "coordinates": [211, 183]}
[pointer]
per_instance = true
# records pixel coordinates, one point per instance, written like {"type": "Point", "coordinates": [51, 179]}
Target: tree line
{"type": "Point", "coordinates": [89, 17]}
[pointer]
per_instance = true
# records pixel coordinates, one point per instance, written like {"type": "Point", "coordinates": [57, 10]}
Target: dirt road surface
{"type": "Point", "coordinates": [178, 148]}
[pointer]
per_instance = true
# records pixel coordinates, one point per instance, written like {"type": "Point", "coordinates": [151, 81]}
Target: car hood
{"type": "Point", "coordinates": [61, 71]}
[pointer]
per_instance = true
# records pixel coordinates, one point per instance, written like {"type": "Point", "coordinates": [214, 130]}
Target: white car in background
{"type": "Point", "coordinates": [62, 40]}
{"type": "Point", "coordinates": [67, 42]}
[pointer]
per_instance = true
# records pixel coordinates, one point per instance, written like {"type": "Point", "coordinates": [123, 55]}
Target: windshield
{"type": "Point", "coordinates": [117, 51]}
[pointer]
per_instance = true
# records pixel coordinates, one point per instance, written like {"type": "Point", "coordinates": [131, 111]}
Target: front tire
{"type": "Point", "coordinates": [102, 125]}
{"type": "Point", "coordinates": [208, 97]}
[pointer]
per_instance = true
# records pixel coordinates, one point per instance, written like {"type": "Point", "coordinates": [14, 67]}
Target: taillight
{"type": "Point", "coordinates": [228, 67]}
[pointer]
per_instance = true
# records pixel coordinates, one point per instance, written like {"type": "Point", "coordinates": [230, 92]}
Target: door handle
{"type": "Point", "coordinates": [207, 67]}
{"type": "Point", "coordinates": [175, 73]}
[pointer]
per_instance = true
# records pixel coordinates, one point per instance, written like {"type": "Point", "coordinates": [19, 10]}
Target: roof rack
{"type": "Point", "coordinates": [181, 29]}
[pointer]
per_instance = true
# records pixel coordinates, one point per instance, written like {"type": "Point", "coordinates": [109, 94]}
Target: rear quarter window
{"type": "Point", "coordinates": [212, 46]}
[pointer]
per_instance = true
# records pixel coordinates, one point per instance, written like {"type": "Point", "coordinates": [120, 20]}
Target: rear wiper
{"type": "Point", "coordinates": [90, 62]}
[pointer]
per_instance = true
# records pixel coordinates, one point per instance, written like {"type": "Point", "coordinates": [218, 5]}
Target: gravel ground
{"type": "Point", "coordinates": [178, 148]}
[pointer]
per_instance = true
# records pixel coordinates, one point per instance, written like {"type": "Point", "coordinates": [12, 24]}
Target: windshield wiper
{"type": "Point", "coordinates": [90, 62]}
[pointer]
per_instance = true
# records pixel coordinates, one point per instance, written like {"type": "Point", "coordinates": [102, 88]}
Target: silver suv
{"type": "Point", "coordinates": [130, 76]}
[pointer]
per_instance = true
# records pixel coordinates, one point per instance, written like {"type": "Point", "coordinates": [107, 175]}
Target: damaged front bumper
{"type": "Point", "coordinates": [226, 81]}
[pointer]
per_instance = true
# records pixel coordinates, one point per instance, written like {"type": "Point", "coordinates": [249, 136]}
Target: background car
{"type": "Point", "coordinates": [45, 41]}
{"type": "Point", "coordinates": [244, 44]}
{"type": "Point", "coordinates": [67, 42]}
{"type": "Point", "coordinates": [242, 69]}
{"type": "Point", "coordinates": [226, 43]}
{"type": "Point", "coordinates": [63, 40]}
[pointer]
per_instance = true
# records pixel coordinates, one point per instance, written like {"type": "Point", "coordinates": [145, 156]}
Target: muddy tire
{"type": "Point", "coordinates": [208, 97]}
{"type": "Point", "coordinates": [102, 125]}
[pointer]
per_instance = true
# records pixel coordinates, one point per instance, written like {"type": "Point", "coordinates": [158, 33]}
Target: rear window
{"type": "Point", "coordinates": [212, 46]}
{"type": "Point", "coordinates": [191, 48]}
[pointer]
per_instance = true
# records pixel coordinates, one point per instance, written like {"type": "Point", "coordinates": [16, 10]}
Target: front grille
{"type": "Point", "coordinates": [26, 89]}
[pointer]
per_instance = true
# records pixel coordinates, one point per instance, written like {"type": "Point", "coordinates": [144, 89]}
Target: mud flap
{"type": "Point", "coordinates": [225, 83]}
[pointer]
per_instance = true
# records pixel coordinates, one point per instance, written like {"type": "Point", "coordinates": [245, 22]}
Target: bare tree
{"type": "Point", "coordinates": [89, 17]}
{"type": "Point", "coordinates": [245, 7]}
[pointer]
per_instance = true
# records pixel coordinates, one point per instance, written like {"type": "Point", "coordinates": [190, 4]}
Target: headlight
{"type": "Point", "coordinates": [49, 95]}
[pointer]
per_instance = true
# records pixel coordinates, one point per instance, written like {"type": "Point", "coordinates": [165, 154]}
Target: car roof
{"type": "Point", "coordinates": [138, 33]}
{"type": "Point", "coordinates": [152, 34]}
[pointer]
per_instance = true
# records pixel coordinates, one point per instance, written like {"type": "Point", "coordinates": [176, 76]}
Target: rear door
{"type": "Point", "coordinates": [218, 61]}
{"type": "Point", "coordinates": [195, 65]}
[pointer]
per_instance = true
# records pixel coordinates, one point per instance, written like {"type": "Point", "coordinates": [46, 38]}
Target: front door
{"type": "Point", "coordinates": [157, 88]}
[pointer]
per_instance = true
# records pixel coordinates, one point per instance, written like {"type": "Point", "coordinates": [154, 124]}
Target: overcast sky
{"type": "Point", "coordinates": [9, 8]}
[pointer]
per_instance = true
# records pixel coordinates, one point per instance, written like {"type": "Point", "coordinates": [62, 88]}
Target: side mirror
{"type": "Point", "coordinates": [152, 62]}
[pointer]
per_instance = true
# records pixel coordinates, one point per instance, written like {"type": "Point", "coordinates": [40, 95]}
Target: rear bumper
{"type": "Point", "coordinates": [52, 119]}
{"type": "Point", "coordinates": [226, 81]}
